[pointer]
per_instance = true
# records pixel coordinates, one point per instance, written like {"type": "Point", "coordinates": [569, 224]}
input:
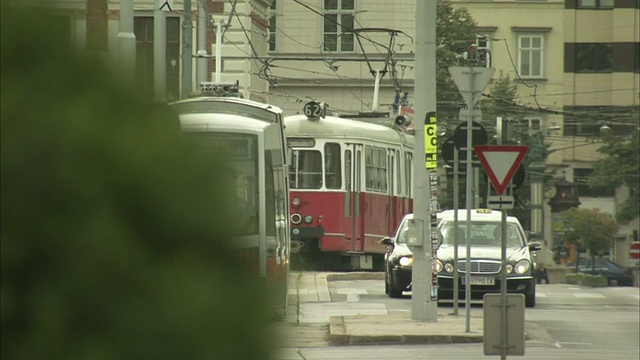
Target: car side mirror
{"type": "Point", "coordinates": [386, 241]}
{"type": "Point", "coordinates": [535, 246]}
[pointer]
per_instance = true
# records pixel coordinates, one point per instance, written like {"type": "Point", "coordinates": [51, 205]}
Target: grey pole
{"type": "Point", "coordinates": [423, 308]}
{"type": "Point", "coordinates": [187, 50]}
{"type": "Point", "coordinates": [468, 203]}
{"type": "Point", "coordinates": [159, 54]}
{"type": "Point", "coordinates": [219, 26]}
{"type": "Point", "coordinates": [456, 240]}
{"type": "Point", "coordinates": [203, 22]}
{"type": "Point", "coordinates": [126, 40]}
{"type": "Point", "coordinates": [503, 288]}
{"type": "Point", "coordinates": [503, 262]}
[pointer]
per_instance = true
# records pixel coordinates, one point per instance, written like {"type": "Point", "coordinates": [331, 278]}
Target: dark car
{"type": "Point", "coordinates": [398, 262]}
{"type": "Point", "coordinates": [485, 261]}
{"type": "Point", "coordinates": [615, 274]}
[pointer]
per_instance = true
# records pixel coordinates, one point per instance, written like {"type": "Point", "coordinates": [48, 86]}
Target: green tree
{"type": "Point", "coordinates": [620, 166]}
{"type": "Point", "coordinates": [501, 102]}
{"type": "Point", "coordinates": [114, 240]}
{"type": "Point", "coordinates": [590, 229]}
{"type": "Point", "coordinates": [455, 32]}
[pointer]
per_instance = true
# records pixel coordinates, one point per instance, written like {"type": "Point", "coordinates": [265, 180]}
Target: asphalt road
{"type": "Point", "coordinates": [577, 322]}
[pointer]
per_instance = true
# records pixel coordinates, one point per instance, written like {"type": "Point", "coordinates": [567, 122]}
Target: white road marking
{"type": "Point", "coordinates": [589, 296]}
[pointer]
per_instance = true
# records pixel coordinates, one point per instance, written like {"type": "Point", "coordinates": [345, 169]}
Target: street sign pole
{"type": "Point", "coordinates": [456, 275]}
{"type": "Point", "coordinates": [470, 82]}
{"type": "Point", "coordinates": [500, 162]}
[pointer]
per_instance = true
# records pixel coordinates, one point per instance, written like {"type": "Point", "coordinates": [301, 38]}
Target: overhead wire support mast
{"type": "Point", "coordinates": [378, 74]}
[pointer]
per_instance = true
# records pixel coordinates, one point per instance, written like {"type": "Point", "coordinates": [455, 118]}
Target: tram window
{"type": "Point", "coordinates": [383, 169]}
{"type": "Point", "coordinates": [376, 169]}
{"type": "Point", "coordinates": [306, 170]}
{"type": "Point", "coordinates": [398, 173]}
{"type": "Point", "coordinates": [270, 194]}
{"type": "Point", "coordinates": [347, 183]}
{"type": "Point", "coordinates": [375, 172]}
{"type": "Point", "coordinates": [332, 166]}
{"type": "Point", "coordinates": [242, 172]}
{"type": "Point", "coordinates": [368, 161]}
{"type": "Point", "coordinates": [408, 172]}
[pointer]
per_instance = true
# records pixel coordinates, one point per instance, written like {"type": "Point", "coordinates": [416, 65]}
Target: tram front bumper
{"type": "Point", "coordinates": [306, 232]}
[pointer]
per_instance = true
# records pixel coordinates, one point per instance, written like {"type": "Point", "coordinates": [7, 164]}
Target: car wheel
{"type": "Point", "coordinates": [530, 299]}
{"type": "Point", "coordinates": [394, 291]}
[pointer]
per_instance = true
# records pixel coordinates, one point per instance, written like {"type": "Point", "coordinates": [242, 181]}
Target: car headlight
{"type": "Point", "coordinates": [405, 261]}
{"type": "Point", "coordinates": [448, 267]}
{"type": "Point", "coordinates": [437, 267]}
{"type": "Point", "coordinates": [522, 266]}
{"type": "Point", "coordinates": [509, 269]}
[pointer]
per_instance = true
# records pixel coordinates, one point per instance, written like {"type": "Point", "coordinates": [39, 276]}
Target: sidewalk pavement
{"type": "Point", "coordinates": [396, 327]}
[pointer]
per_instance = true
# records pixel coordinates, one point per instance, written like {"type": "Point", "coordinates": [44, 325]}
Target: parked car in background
{"type": "Point", "coordinates": [615, 274]}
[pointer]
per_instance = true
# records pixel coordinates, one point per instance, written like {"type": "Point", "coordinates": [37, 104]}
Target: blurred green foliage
{"type": "Point", "coordinates": [113, 243]}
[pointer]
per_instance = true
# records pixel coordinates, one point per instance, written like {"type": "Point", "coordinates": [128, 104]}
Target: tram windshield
{"type": "Point", "coordinates": [305, 171]}
{"type": "Point", "coordinates": [240, 153]}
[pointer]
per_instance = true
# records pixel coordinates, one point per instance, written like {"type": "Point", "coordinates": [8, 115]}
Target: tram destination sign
{"type": "Point", "coordinates": [236, 147]}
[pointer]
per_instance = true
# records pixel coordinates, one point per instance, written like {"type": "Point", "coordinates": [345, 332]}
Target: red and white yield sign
{"type": "Point", "coordinates": [634, 250]}
{"type": "Point", "coordinates": [500, 162]}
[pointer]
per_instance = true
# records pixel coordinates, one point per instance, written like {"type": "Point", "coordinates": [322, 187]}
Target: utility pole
{"type": "Point", "coordinates": [159, 52]}
{"type": "Point", "coordinates": [424, 307]}
{"type": "Point", "coordinates": [203, 23]}
{"type": "Point", "coordinates": [126, 40]}
{"type": "Point", "coordinates": [187, 50]}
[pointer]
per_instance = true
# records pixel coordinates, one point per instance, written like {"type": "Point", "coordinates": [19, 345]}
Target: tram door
{"type": "Point", "coordinates": [353, 198]}
{"type": "Point", "coordinates": [391, 204]}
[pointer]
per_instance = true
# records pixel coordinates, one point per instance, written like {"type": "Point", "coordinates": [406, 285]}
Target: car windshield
{"type": "Point", "coordinates": [483, 233]}
{"type": "Point", "coordinates": [406, 232]}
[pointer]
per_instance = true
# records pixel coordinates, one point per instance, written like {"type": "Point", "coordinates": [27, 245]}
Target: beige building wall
{"type": "Point", "coordinates": [342, 80]}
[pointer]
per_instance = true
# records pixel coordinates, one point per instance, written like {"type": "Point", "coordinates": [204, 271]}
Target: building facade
{"type": "Point", "coordinates": [575, 64]}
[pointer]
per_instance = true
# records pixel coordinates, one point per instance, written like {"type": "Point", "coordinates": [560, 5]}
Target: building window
{"type": "Point", "coordinates": [143, 30]}
{"type": "Point", "coordinates": [580, 178]}
{"type": "Point", "coordinates": [273, 26]}
{"type": "Point", "coordinates": [338, 24]}
{"type": "Point", "coordinates": [595, 4]}
{"type": "Point", "coordinates": [530, 55]}
{"type": "Point", "coordinates": [594, 58]}
{"type": "Point", "coordinates": [483, 44]}
{"type": "Point", "coordinates": [529, 124]}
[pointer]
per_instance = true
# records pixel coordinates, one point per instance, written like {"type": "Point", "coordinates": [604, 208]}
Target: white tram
{"type": "Point", "coordinates": [250, 136]}
{"type": "Point", "coordinates": [350, 186]}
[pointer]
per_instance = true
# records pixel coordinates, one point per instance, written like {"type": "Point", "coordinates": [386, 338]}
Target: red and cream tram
{"type": "Point", "coordinates": [250, 137]}
{"type": "Point", "coordinates": [350, 186]}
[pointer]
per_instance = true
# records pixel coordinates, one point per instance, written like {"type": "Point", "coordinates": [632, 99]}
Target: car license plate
{"type": "Point", "coordinates": [479, 280]}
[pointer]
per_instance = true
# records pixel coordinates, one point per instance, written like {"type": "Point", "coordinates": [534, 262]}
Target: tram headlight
{"type": "Point", "coordinates": [308, 219]}
{"type": "Point", "coordinates": [296, 218]}
{"type": "Point", "coordinates": [296, 201]}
